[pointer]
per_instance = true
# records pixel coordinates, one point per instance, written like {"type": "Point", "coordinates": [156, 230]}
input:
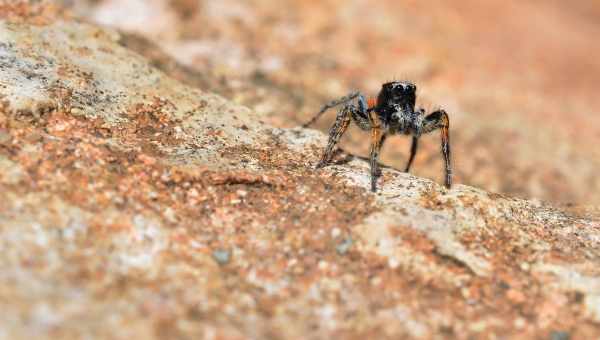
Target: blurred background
{"type": "Point", "coordinates": [519, 79]}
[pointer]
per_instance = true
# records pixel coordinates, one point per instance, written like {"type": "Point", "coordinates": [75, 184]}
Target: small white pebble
{"type": "Point", "coordinates": [336, 232]}
{"type": "Point", "coordinates": [170, 215]}
{"type": "Point", "coordinates": [519, 323]}
{"type": "Point", "coordinates": [195, 244]}
{"type": "Point", "coordinates": [323, 265]}
{"type": "Point", "coordinates": [193, 193]}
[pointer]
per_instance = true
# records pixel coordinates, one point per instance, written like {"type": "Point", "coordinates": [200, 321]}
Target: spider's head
{"type": "Point", "coordinates": [397, 94]}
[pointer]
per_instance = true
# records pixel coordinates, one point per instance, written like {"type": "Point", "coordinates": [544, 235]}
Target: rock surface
{"type": "Point", "coordinates": [136, 206]}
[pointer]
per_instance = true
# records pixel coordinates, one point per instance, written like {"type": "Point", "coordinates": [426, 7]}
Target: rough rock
{"type": "Point", "coordinates": [136, 206]}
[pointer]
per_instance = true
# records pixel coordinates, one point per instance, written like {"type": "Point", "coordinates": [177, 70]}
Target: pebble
{"type": "Point", "coordinates": [520, 323]}
{"type": "Point", "coordinates": [335, 232]}
{"type": "Point", "coordinates": [560, 335]}
{"type": "Point", "coordinates": [344, 246]}
{"type": "Point", "coordinates": [222, 256]}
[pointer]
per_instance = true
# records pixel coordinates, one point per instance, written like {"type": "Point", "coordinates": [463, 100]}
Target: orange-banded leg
{"type": "Point", "coordinates": [439, 120]}
{"type": "Point", "coordinates": [377, 139]}
{"type": "Point", "coordinates": [335, 133]}
{"type": "Point", "coordinates": [413, 152]}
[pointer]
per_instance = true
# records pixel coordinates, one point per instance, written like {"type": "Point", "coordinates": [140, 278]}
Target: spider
{"type": "Point", "coordinates": [393, 112]}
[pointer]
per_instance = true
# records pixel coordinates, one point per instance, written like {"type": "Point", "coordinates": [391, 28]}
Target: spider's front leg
{"type": "Point", "coordinates": [439, 120]}
{"type": "Point", "coordinates": [377, 139]}
{"type": "Point", "coordinates": [413, 152]}
{"type": "Point", "coordinates": [415, 142]}
{"type": "Point", "coordinates": [335, 133]}
{"type": "Point", "coordinates": [343, 119]}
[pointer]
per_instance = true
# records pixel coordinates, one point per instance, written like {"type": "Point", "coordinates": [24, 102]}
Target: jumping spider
{"type": "Point", "coordinates": [393, 112]}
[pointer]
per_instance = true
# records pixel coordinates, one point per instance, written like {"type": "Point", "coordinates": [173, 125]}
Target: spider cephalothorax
{"type": "Point", "coordinates": [393, 112]}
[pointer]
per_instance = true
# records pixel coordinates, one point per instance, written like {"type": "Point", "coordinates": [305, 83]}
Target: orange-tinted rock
{"type": "Point", "coordinates": [133, 205]}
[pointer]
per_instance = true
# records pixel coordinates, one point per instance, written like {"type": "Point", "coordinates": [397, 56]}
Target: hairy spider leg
{"type": "Point", "coordinates": [343, 119]}
{"type": "Point", "coordinates": [335, 103]}
{"type": "Point", "coordinates": [377, 139]}
{"type": "Point", "coordinates": [446, 149]}
{"type": "Point", "coordinates": [439, 120]}
{"type": "Point", "coordinates": [413, 151]}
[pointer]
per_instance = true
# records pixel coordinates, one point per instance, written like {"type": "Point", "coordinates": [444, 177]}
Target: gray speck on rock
{"type": "Point", "coordinates": [560, 335]}
{"type": "Point", "coordinates": [222, 256]}
{"type": "Point", "coordinates": [344, 246]}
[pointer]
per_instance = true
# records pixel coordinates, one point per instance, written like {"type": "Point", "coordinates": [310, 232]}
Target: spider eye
{"type": "Point", "coordinates": [404, 87]}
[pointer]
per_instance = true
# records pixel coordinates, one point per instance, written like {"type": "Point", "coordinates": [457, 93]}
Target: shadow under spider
{"type": "Point", "coordinates": [348, 157]}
